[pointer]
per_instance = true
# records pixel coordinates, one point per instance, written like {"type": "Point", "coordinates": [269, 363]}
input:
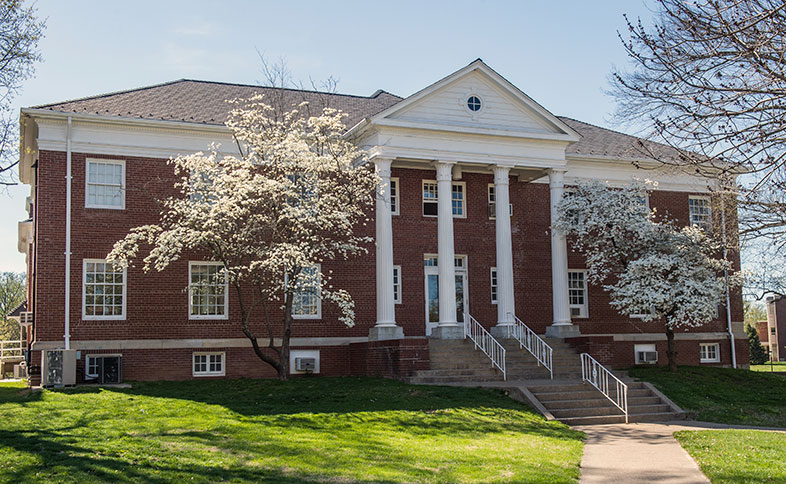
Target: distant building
{"type": "Point", "coordinates": [776, 327]}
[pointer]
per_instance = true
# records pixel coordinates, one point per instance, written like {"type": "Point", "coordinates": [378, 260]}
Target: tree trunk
{"type": "Point", "coordinates": [283, 364]}
{"type": "Point", "coordinates": [671, 351]}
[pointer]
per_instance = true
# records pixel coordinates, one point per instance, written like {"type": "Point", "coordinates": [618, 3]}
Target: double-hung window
{"type": "Point", "coordinates": [209, 364]}
{"type": "Point", "coordinates": [493, 202]}
{"type": "Point", "coordinates": [577, 293]}
{"type": "Point", "coordinates": [493, 285]}
{"type": "Point", "coordinates": [105, 184]}
{"type": "Point", "coordinates": [306, 300]}
{"type": "Point", "coordinates": [103, 290]}
{"type": "Point", "coordinates": [397, 284]}
{"type": "Point", "coordinates": [458, 199]}
{"type": "Point", "coordinates": [709, 352]}
{"type": "Point", "coordinates": [700, 212]}
{"type": "Point", "coordinates": [394, 196]}
{"type": "Point", "coordinates": [207, 290]}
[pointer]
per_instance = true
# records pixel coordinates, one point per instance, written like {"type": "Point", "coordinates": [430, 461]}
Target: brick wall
{"type": "Point", "coordinates": [157, 303]}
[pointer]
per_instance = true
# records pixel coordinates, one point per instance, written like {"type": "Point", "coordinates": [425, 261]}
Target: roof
{"type": "Point", "coordinates": [22, 307]}
{"type": "Point", "coordinates": [205, 102]}
{"type": "Point", "coordinates": [603, 142]}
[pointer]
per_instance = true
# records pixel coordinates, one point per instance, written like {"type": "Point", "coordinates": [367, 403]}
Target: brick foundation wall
{"type": "Point", "coordinates": [390, 359]}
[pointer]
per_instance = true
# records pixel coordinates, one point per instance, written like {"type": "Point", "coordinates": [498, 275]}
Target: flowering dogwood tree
{"type": "Point", "coordinates": [271, 215]}
{"type": "Point", "coordinates": [650, 268]}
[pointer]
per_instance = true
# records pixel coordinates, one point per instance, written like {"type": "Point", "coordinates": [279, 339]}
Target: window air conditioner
{"type": "Point", "coordinates": [58, 368]}
{"type": "Point", "coordinates": [305, 364]}
{"type": "Point", "coordinates": [646, 357]}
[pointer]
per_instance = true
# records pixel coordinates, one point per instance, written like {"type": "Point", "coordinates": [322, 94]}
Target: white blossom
{"type": "Point", "coordinates": [291, 199]}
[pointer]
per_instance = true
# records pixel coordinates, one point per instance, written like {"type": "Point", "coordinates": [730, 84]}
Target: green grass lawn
{"type": "Point", "coordinates": [738, 456]}
{"type": "Point", "coordinates": [303, 431]}
{"type": "Point", "coordinates": [776, 366]}
{"type": "Point", "coordinates": [723, 394]}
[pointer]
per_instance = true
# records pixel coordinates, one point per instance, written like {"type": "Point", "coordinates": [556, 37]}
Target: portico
{"type": "Point", "coordinates": [471, 121]}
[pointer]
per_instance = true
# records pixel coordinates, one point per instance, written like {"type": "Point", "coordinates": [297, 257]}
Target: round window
{"type": "Point", "coordinates": [473, 103]}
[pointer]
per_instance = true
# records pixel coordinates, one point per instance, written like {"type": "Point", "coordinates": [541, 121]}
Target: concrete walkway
{"type": "Point", "coordinates": [637, 453]}
{"type": "Point", "coordinates": [643, 453]}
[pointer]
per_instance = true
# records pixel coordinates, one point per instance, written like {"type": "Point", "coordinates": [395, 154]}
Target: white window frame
{"type": "Point", "coordinates": [643, 347]}
{"type": "Point", "coordinates": [704, 352]}
{"type": "Point", "coordinates": [122, 164]}
{"type": "Point", "coordinates": [395, 196]}
{"type": "Point", "coordinates": [397, 285]}
{"type": "Point", "coordinates": [191, 264]}
{"type": "Point", "coordinates": [493, 282]}
{"type": "Point", "coordinates": [492, 202]}
{"type": "Point", "coordinates": [319, 300]}
{"type": "Point", "coordinates": [102, 317]}
{"type": "Point", "coordinates": [583, 308]}
{"type": "Point", "coordinates": [208, 372]}
{"type": "Point", "coordinates": [95, 356]}
{"type": "Point", "coordinates": [463, 185]}
{"type": "Point", "coordinates": [706, 225]}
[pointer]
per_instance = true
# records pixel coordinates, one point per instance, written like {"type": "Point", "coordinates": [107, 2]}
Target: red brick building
{"type": "Point", "coordinates": [456, 156]}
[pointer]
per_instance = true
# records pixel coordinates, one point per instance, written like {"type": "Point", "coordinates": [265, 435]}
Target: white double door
{"type": "Point", "coordinates": [431, 276]}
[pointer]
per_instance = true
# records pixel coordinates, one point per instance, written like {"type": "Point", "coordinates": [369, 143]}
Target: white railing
{"type": "Point", "coordinates": [531, 342]}
{"type": "Point", "coordinates": [10, 349]}
{"type": "Point", "coordinates": [485, 343]}
{"type": "Point", "coordinates": [609, 385]}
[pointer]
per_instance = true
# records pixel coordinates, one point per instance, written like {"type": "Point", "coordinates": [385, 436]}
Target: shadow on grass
{"type": "Point", "coordinates": [71, 462]}
{"type": "Point", "coordinates": [317, 395]}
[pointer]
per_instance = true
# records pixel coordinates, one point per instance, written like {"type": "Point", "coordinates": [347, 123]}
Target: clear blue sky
{"type": "Point", "coordinates": [559, 53]}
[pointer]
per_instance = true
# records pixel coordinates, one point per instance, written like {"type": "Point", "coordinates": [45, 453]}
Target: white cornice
{"type": "Point", "coordinates": [125, 121]}
{"type": "Point", "coordinates": [474, 130]}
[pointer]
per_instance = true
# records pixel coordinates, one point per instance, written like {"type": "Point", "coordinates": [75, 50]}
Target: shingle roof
{"type": "Point", "coordinates": [597, 141]}
{"type": "Point", "coordinates": [205, 102]}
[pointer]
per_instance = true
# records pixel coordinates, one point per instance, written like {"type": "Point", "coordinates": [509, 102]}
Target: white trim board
{"type": "Point", "coordinates": [151, 344]}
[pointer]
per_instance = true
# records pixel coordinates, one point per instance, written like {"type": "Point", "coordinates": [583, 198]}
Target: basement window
{"type": "Point", "coordinates": [709, 352]}
{"type": "Point", "coordinates": [209, 364]}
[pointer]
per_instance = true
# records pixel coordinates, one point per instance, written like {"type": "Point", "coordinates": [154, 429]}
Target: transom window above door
{"type": "Point", "coordinates": [460, 261]}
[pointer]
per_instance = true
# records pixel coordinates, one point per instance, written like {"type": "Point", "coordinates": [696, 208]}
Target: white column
{"type": "Point", "coordinates": [386, 313]}
{"type": "Point", "coordinates": [562, 326]}
{"type": "Point", "coordinates": [506, 305]}
{"type": "Point", "coordinates": [448, 327]}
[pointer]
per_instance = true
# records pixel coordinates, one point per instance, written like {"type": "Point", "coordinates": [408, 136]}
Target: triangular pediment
{"type": "Point", "coordinates": [499, 108]}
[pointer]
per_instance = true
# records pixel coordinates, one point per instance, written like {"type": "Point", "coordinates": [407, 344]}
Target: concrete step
{"type": "Point", "coordinates": [601, 401]}
{"type": "Point", "coordinates": [455, 372]}
{"type": "Point", "coordinates": [609, 409]}
{"type": "Point", "coordinates": [610, 419]}
{"type": "Point", "coordinates": [452, 379]}
{"type": "Point", "coordinates": [582, 395]}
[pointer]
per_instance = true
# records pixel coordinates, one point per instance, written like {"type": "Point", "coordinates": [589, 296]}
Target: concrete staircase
{"type": "Point", "coordinates": [576, 403]}
{"type": "Point", "coordinates": [566, 398]}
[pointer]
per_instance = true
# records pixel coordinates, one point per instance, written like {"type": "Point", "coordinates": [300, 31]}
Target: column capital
{"type": "Point", "coordinates": [557, 177]}
{"type": "Point", "coordinates": [382, 166]}
{"type": "Point", "coordinates": [444, 170]}
{"type": "Point", "coordinates": [501, 174]}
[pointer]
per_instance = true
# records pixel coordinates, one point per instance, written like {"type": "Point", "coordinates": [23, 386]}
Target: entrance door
{"type": "Point", "coordinates": [432, 291]}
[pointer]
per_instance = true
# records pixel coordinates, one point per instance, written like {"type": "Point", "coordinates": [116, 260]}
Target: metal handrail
{"type": "Point", "coordinates": [598, 376]}
{"type": "Point", "coordinates": [15, 350]}
{"type": "Point", "coordinates": [530, 341]}
{"type": "Point", "coordinates": [485, 342]}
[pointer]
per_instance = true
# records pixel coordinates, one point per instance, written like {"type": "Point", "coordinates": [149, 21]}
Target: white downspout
{"type": "Point", "coordinates": [67, 335]}
{"type": "Point", "coordinates": [726, 276]}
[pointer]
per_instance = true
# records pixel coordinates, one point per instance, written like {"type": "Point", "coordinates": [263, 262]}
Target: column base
{"type": "Point", "coordinates": [380, 333]}
{"type": "Point", "coordinates": [562, 331]}
{"type": "Point", "coordinates": [447, 332]}
{"type": "Point", "coordinates": [502, 331]}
